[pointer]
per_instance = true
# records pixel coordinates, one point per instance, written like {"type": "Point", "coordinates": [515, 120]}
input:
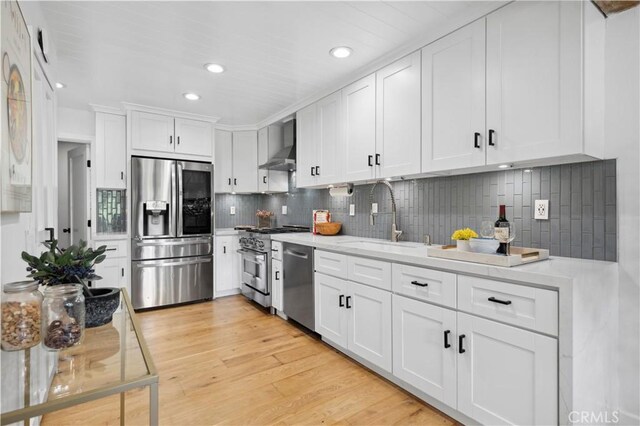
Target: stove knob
{"type": "Point", "coordinates": [260, 244]}
{"type": "Point", "coordinates": [243, 240]}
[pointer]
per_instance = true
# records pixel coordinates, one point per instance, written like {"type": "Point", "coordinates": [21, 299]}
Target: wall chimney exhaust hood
{"type": "Point", "coordinates": [285, 159]}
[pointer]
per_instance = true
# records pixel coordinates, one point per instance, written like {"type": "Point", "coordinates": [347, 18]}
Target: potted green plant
{"type": "Point", "coordinates": [75, 265]}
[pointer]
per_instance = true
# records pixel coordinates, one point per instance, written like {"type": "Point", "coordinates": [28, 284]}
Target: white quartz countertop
{"type": "Point", "coordinates": [555, 272]}
{"type": "Point", "coordinates": [226, 231]}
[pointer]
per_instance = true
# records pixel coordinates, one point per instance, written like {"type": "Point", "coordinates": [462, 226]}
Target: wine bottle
{"type": "Point", "coordinates": [502, 230]}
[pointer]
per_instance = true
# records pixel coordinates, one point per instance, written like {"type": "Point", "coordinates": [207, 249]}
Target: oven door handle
{"type": "Point", "coordinates": [165, 263]}
{"type": "Point", "coordinates": [245, 255]}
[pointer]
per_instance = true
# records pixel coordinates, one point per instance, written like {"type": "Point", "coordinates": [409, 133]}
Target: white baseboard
{"type": "Point", "coordinates": [225, 293]}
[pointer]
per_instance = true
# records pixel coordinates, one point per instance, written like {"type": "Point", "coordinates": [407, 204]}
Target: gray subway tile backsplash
{"type": "Point", "coordinates": [582, 207]}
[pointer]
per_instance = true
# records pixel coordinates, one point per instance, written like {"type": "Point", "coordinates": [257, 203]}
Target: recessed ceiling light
{"type": "Point", "coordinates": [214, 68]}
{"type": "Point", "coordinates": [191, 96]}
{"type": "Point", "coordinates": [504, 166]}
{"type": "Point", "coordinates": [60, 85]}
{"type": "Point", "coordinates": [340, 52]}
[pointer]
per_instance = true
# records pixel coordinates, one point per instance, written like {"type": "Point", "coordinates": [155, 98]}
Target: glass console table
{"type": "Point", "coordinates": [112, 359]}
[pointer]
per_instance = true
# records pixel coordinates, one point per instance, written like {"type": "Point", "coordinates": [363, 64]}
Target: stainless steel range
{"type": "Point", "coordinates": [256, 261]}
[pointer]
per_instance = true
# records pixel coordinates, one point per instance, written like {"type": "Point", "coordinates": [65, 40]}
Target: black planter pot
{"type": "Point", "coordinates": [101, 306]}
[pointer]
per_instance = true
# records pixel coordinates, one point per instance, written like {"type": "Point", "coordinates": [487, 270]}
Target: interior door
{"type": "Point", "coordinates": [453, 100]}
{"type": "Point", "coordinates": [224, 162]}
{"type": "Point", "coordinates": [79, 184]}
{"type": "Point", "coordinates": [359, 114]}
{"type": "Point", "coordinates": [424, 348]}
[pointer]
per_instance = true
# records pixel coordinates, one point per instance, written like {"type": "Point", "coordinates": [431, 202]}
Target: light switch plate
{"type": "Point", "coordinates": [284, 210]}
{"type": "Point", "coordinates": [352, 209]}
{"type": "Point", "coordinates": [374, 207]}
{"type": "Point", "coordinates": [541, 210]}
{"type": "Point", "coordinates": [232, 210]}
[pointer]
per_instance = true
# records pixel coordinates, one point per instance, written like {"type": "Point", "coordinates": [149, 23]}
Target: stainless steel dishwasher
{"type": "Point", "coordinates": [297, 283]}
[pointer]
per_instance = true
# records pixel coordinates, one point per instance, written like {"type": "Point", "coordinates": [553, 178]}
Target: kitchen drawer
{"type": "Point", "coordinates": [425, 284]}
{"type": "Point", "coordinates": [115, 248]}
{"type": "Point", "coordinates": [333, 264]}
{"type": "Point", "coordinates": [372, 272]}
{"type": "Point", "coordinates": [528, 307]}
{"type": "Point", "coordinates": [276, 250]}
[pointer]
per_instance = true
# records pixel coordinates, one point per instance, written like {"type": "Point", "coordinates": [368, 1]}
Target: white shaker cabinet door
{"type": "Point", "coordinates": [152, 132]}
{"type": "Point", "coordinates": [506, 375]}
{"type": "Point", "coordinates": [329, 168]}
{"type": "Point", "coordinates": [370, 324]}
{"type": "Point", "coordinates": [330, 308]}
{"type": "Point", "coordinates": [424, 347]}
{"type": "Point", "coordinates": [223, 163]}
{"type": "Point", "coordinates": [111, 151]}
{"type": "Point", "coordinates": [263, 157]}
{"type": "Point", "coordinates": [359, 116]}
{"type": "Point", "coordinates": [534, 83]}
{"type": "Point", "coordinates": [306, 146]}
{"type": "Point", "coordinates": [398, 118]}
{"type": "Point", "coordinates": [453, 100]}
{"type": "Point", "coordinates": [194, 137]}
{"type": "Point", "coordinates": [245, 161]}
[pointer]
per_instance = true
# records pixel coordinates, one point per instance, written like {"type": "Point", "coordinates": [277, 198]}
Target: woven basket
{"type": "Point", "coordinates": [328, 228]}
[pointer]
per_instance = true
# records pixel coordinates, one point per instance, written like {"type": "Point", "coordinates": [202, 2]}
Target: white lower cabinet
{"type": "Point", "coordinates": [227, 275]}
{"type": "Point", "coordinates": [356, 317]}
{"type": "Point", "coordinates": [424, 347]}
{"type": "Point", "coordinates": [506, 375]}
{"type": "Point", "coordinates": [276, 284]}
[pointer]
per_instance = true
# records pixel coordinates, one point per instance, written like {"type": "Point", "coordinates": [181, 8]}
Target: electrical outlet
{"type": "Point", "coordinates": [374, 207]}
{"type": "Point", "coordinates": [284, 210]}
{"type": "Point", "coordinates": [352, 209]}
{"type": "Point", "coordinates": [541, 211]}
{"type": "Point", "coordinates": [232, 210]}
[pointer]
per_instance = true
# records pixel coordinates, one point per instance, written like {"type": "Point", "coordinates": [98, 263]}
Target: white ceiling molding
{"type": "Point", "coordinates": [107, 109]}
{"type": "Point", "coordinates": [239, 128]}
{"type": "Point", "coordinates": [178, 114]}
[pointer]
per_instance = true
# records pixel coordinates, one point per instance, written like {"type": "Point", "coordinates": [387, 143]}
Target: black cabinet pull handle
{"type": "Point", "coordinates": [502, 302]}
{"type": "Point", "coordinates": [419, 284]}
{"type": "Point", "coordinates": [123, 272]}
{"type": "Point", "coordinates": [229, 181]}
{"type": "Point", "coordinates": [461, 350]}
{"type": "Point", "coordinates": [377, 159]}
{"type": "Point", "coordinates": [224, 249]}
{"type": "Point", "coordinates": [121, 175]}
{"type": "Point", "coordinates": [178, 140]}
{"type": "Point", "coordinates": [51, 234]}
{"type": "Point", "coordinates": [446, 339]}
{"type": "Point", "coordinates": [341, 301]}
{"type": "Point", "coordinates": [170, 140]}
{"type": "Point", "coordinates": [277, 276]}
{"type": "Point", "coordinates": [317, 170]}
{"type": "Point", "coordinates": [348, 299]}
{"type": "Point", "coordinates": [370, 161]}
{"type": "Point", "coordinates": [491, 142]}
{"type": "Point", "coordinates": [235, 181]}
{"type": "Point", "coordinates": [264, 179]}
{"type": "Point", "coordinates": [476, 140]}
{"type": "Point", "coordinates": [312, 169]}
{"type": "Point", "coordinates": [66, 230]}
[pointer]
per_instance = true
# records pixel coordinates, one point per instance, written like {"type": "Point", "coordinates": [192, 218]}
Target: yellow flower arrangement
{"type": "Point", "coordinates": [464, 234]}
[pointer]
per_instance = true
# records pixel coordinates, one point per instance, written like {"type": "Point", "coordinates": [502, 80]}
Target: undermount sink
{"type": "Point", "coordinates": [379, 245]}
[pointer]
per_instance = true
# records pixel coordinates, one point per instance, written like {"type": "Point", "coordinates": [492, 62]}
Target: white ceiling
{"type": "Point", "coordinates": [276, 53]}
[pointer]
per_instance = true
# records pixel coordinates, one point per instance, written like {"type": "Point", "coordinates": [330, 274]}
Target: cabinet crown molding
{"type": "Point", "coordinates": [168, 112]}
{"type": "Point", "coordinates": [107, 109]}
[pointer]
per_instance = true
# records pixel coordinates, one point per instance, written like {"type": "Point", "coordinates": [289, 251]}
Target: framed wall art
{"type": "Point", "coordinates": [16, 144]}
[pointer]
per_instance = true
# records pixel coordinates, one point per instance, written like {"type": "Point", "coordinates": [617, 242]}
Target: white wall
{"type": "Point", "coordinates": [75, 123]}
{"type": "Point", "coordinates": [622, 133]}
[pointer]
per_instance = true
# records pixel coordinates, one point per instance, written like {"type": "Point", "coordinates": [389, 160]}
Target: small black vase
{"type": "Point", "coordinates": [101, 306]}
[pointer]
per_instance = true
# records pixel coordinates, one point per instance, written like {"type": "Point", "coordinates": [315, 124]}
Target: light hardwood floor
{"type": "Point", "coordinates": [229, 362]}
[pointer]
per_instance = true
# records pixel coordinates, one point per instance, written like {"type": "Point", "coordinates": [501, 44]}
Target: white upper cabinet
{"type": "Point", "coordinates": [162, 133]}
{"type": "Point", "coordinates": [359, 116]}
{"type": "Point", "coordinates": [245, 161]}
{"type": "Point", "coordinates": [223, 166]}
{"type": "Point", "coordinates": [111, 151]}
{"type": "Point", "coordinates": [151, 132]}
{"type": "Point", "coordinates": [534, 84]}
{"type": "Point", "coordinates": [398, 118]}
{"type": "Point", "coordinates": [328, 168]}
{"type": "Point", "coordinates": [193, 137]}
{"type": "Point", "coordinates": [306, 142]}
{"type": "Point", "coordinates": [270, 141]}
{"type": "Point", "coordinates": [453, 100]}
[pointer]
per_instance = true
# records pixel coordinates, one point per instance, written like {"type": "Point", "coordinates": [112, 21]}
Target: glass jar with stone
{"type": "Point", "coordinates": [21, 311]}
{"type": "Point", "coordinates": [63, 312]}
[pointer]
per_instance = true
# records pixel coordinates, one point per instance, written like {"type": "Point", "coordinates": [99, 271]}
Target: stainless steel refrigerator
{"type": "Point", "coordinates": [172, 232]}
